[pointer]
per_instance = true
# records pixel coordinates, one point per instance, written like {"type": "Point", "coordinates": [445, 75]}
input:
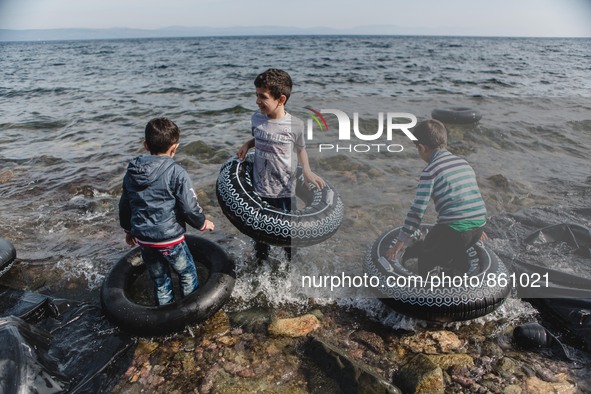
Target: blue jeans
{"type": "Point", "coordinates": [159, 262]}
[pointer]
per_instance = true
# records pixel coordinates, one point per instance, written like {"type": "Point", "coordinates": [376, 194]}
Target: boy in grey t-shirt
{"type": "Point", "coordinates": [276, 136]}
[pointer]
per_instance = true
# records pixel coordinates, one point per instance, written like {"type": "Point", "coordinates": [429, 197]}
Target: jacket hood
{"type": "Point", "coordinates": [144, 170]}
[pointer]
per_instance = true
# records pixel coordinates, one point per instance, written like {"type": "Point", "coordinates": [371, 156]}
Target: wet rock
{"type": "Point", "coordinates": [462, 148]}
{"type": "Point", "coordinates": [420, 375]}
{"type": "Point", "coordinates": [81, 203]}
{"type": "Point", "coordinates": [493, 350]}
{"type": "Point", "coordinates": [231, 384]}
{"type": "Point", "coordinates": [318, 313]}
{"type": "Point", "coordinates": [536, 385]}
{"type": "Point", "coordinates": [350, 375]}
{"type": "Point", "coordinates": [227, 340]}
{"type": "Point", "coordinates": [6, 176]}
{"type": "Point", "coordinates": [342, 163]}
{"type": "Point", "coordinates": [205, 152]}
{"type": "Point", "coordinates": [253, 320]}
{"type": "Point", "coordinates": [433, 342]}
{"type": "Point", "coordinates": [371, 340]}
{"type": "Point", "coordinates": [294, 327]}
{"type": "Point", "coordinates": [209, 379]}
{"type": "Point", "coordinates": [199, 149]}
{"type": "Point", "coordinates": [445, 361]}
{"type": "Point", "coordinates": [507, 367]}
{"type": "Point", "coordinates": [374, 173]}
{"type": "Point", "coordinates": [204, 197]}
{"type": "Point", "coordinates": [349, 167]}
{"type": "Point", "coordinates": [145, 347]}
{"type": "Point", "coordinates": [512, 389]}
{"type": "Point", "coordinates": [216, 326]}
{"type": "Point", "coordinates": [499, 181]}
{"type": "Point", "coordinates": [272, 350]}
{"type": "Point", "coordinates": [188, 344]}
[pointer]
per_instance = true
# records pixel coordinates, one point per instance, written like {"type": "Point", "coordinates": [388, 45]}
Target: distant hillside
{"type": "Point", "coordinates": [93, 34]}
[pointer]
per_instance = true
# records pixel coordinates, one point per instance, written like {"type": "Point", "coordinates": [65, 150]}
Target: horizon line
{"type": "Point", "coordinates": [19, 35]}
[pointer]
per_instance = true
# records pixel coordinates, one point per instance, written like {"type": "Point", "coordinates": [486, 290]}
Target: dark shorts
{"type": "Point", "coordinates": [286, 203]}
{"type": "Point", "coordinates": [445, 247]}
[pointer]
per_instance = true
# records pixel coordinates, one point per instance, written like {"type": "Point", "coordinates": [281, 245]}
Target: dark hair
{"type": "Point", "coordinates": [277, 81]}
{"type": "Point", "coordinates": [431, 133]}
{"type": "Point", "coordinates": [161, 134]}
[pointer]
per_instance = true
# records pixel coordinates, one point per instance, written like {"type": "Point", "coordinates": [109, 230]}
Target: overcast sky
{"type": "Point", "coordinates": [463, 17]}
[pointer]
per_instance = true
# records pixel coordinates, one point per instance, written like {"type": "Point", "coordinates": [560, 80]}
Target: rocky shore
{"type": "Point", "coordinates": [327, 349]}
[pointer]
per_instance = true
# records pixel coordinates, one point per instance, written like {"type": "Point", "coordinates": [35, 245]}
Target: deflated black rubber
{"type": "Point", "coordinates": [50, 345]}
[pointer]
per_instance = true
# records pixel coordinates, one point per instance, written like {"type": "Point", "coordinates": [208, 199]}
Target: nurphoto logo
{"type": "Point", "coordinates": [395, 122]}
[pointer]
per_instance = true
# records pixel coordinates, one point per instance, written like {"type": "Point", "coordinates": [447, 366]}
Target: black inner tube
{"type": "Point", "coordinates": [7, 256]}
{"type": "Point", "coordinates": [456, 115]}
{"type": "Point", "coordinates": [146, 320]}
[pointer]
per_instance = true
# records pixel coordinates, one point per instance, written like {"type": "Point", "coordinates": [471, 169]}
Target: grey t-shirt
{"type": "Point", "coordinates": [277, 142]}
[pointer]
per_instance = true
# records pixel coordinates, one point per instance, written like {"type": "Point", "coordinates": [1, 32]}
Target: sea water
{"type": "Point", "coordinates": [72, 114]}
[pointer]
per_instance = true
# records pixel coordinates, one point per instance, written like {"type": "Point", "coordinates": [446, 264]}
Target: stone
{"type": "Point", "coordinates": [499, 180]}
{"type": "Point", "coordinates": [433, 342]}
{"type": "Point", "coordinates": [445, 361]}
{"type": "Point", "coordinates": [217, 326]}
{"type": "Point", "coordinates": [6, 176]}
{"type": "Point", "coordinates": [145, 347]}
{"type": "Point", "coordinates": [492, 349]}
{"type": "Point", "coordinates": [369, 339]}
{"type": "Point", "coordinates": [350, 375]}
{"type": "Point", "coordinates": [421, 375]}
{"type": "Point", "coordinates": [512, 389]}
{"type": "Point", "coordinates": [205, 153]}
{"type": "Point", "coordinates": [507, 368]}
{"type": "Point", "coordinates": [227, 340]}
{"type": "Point", "coordinates": [536, 385]}
{"type": "Point", "coordinates": [252, 320]}
{"type": "Point", "coordinates": [294, 327]}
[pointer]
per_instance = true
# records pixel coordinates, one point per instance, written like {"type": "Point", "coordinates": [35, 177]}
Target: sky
{"type": "Point", "coordinates": [562, 18]}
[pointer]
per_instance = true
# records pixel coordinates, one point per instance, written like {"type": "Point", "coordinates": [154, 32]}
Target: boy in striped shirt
{"type": "Point", "coordinates": [451, 182]}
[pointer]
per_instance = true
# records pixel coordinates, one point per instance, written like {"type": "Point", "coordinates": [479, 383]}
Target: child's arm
{"type": "Point", "coordinates": [189, 206]}
{"type": "Point", "coordinates": [309, 176]}
{"type": "Point", "coordinates": [130, 239]}
{"type": "Point", "coordinates": [208, 225]}
{"type": "Point", "coordinates": [125, 218]}
{"type": "Point", "coordinates": [244, 149]}
{"type": "Point", "coordinates": [394, 250]}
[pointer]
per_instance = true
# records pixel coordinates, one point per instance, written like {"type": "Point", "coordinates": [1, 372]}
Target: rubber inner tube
{"type": "Point", "coordinates": [7, 256]}
{"type": "Point", "coordinates": [456, 115]}
{"type": "Point", "coordinates": [472, 294]}
{"type": "Point", "coordinates": [216, 272]}
{"type": "Point", "coordinates": [317, 221]}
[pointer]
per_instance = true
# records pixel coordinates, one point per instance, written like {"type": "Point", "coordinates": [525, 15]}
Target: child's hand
{"type": "Point", "coordinates": [208, 225]}
{"type": "Point", "coordinates": [394, 250]}
{"type": "Point", "coordinates": [310, 177]}
{"type": "Point", "coordinates": [243, 151]}
{"type": "Point", "coordinates": [484, 237]}
{"type": "Point", "coordinates": [130, 239]}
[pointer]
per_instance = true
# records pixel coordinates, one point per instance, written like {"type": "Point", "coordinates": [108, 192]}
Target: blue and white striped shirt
{"type": "Point", "coordinates": [452, 183]}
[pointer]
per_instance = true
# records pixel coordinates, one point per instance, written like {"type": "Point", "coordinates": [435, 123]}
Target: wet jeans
{"type": "Point", "coordinates": [159, 262]}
